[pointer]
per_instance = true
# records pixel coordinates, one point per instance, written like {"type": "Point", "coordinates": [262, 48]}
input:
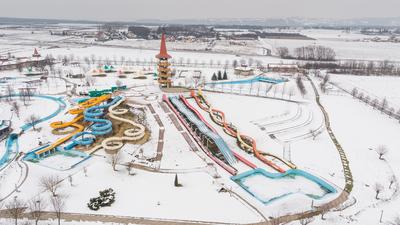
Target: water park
{"type": "Point", "coordinates": [257, 145]}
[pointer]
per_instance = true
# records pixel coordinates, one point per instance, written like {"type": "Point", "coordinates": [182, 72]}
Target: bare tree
{"type": "Point", "coordinates": [130, 167]}
{"type": "Point", "coordinates": [283, 52]}
{"type": "Point", "coordinates": [300, 86]}
{"type": "Point", "coordinates": [85, 171]}
{"type": "Point", "coordinates": [70, 180]}
{"type": "Point", "coordinates": [374, 103]}
{"type": "Point", "coordinates": [384, 104]}
{"type": "Point", "coordinates": [378, 189]}
{"type": "Point", "coordinates": [51, 184]}
{"type": "Point", "coordinates": [32, 120]}
{"type": "Point", "coordinates": [9, 91]}
{"type": "Point", "coordinates": [354, 92]}
{"type": "Point", "coordinates": [15, 209]}
{"type": "Point", "coordinates": [382, 150]}
{"type": "Point", "coordinates": [115, 158]}
{"type": "Point", "coordinates": [36, 208]}
{"type": "Point", "coordinates": [15, 108]}
{"type": "Point", "coordinates": [291, 92]}
{"type": "Point", "coordinates": [313, 134]}
{"type": "Point", "coordinates": [392, 180]}
{"type": "Point", "coordinates": [58, 203]}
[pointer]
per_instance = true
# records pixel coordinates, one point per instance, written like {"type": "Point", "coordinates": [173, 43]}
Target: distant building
{"type": "Point", "coordinates": [12, 63]}
{"type": "Point", "coordinates": [244, 71]}
{"type": "Point", "coordinates": [164, 72]}
{"type": "Point", "coordinates": [35, 54]}
{"type": "Point", "coordinates": [283, 68]}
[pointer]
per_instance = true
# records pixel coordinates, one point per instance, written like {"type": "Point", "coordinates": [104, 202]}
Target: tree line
{"type": "Point", "coordinates": [309, 52]}
{"type": "Point", "coordinates": [356, 67]}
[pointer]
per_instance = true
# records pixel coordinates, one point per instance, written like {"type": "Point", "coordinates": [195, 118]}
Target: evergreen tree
{"type": "Point", "coordinates": [214, 77]}
{"type": "Point", "coordinates": [219, 75]}
{"type": "Point", "coordinates": [176, 182]}
{"type": "Point", "coordinates": [225, 77]}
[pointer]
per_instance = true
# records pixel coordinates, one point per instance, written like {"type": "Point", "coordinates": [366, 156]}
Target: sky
{"type": "Point", "coordinates": [131, 10]}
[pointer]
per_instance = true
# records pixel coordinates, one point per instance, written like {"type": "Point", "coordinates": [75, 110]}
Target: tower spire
{"type": "Point", "coordinates": [163, 49]}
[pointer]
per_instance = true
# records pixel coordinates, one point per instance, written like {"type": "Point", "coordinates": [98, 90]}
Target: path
{"type": "Point", "coordinates": [161, 131]}
{"type": "Point", "coordinates": [81, 217]}
{"type": "Point", "coordinates": [346, 169]}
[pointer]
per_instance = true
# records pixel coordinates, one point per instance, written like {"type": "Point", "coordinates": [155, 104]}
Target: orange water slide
{"type": "Point", "coordinates": [245, 142]}
{"type": "Point", "coordinates": [78, 111]}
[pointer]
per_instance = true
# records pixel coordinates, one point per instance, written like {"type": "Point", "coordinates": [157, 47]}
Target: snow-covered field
{"type": "Point", "coordinates": [378, 87]}
{"type": "Point", "coordinates": [280, 120]}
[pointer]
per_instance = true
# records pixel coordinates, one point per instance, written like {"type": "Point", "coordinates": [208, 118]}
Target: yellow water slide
{"type": "Point", "coordinates": [74, 122]}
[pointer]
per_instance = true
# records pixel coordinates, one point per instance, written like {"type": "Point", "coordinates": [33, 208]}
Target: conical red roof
{"type": "Point", "coordinates": [36, 53]}
{"type": "Point", "coordinates": [163, 49]}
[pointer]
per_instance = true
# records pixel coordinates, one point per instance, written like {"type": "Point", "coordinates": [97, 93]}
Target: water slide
{"type": "Point", "coordinates": [113, 144]}
{"type": "Point", "coordinates": [12, 140]}
{"type": "Point", "coordinates": [227, 167]}
{"type": "Point", "coordinates": [245, 142]}
{"type": "Point", "coordinates": [237, 156]}
{"type": "Point", "coordinates": [204, 129]}
{"type": "Point", "coordinates": [99, 127]}
{"type": "Point", "coordinates": [73, 123]}
{"type": "Point", "coordinates": [11, 145]}
{"type": "Point", "coordinates": [259, 78]}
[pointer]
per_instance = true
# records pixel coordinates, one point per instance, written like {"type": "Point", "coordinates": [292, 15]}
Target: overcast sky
{"type": "Point", "coordinates": [130, 10]}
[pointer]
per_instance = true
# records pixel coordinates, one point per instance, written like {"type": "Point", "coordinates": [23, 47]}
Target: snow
{"type": "Point", "coordinates": [378, 87]}
{"type": "Point", "coordinates": [265, 110]}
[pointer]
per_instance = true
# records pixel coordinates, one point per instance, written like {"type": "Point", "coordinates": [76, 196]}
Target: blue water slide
{"type": "Point", "coordinates": [99, 127]}
{"type": "Point", "coordinates": [11, 145]}
{"type": "Point", "coordinates": [12, 140]}
{"type": "Point", "coordinates": [292, 172]}
{"type": "Point", "coordinates": [204, 129]}
{"type": "Point", "coordinates": [249, 81]}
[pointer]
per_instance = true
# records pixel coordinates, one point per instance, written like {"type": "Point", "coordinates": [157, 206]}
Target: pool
{"type": "Point", "coordinates": [268, 187]}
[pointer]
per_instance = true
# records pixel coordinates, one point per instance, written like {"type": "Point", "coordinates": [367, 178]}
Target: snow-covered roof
{"type": "Point", "coordinates": [282, 66]}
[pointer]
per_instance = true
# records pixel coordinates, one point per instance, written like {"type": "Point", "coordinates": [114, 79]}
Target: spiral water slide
{"type": "Point", "coordinates": [74, 122]}
{"type": "Point", "coordinates": [246, 143]}
{"type": "Point", "coordinates": [99, 127]}
{"type": "Point", "coordinates": [113, 144]}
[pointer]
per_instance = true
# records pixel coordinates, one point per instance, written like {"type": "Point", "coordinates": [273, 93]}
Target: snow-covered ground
{"type": "Point", "coordinates": [279, 119]}
{"type": "Point", "coordinates": [377, 87]}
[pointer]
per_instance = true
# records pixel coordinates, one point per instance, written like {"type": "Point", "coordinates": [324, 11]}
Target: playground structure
{"type": "Point", "coordinates": [109, 69]}
{"type": "Point", "coordinates": [78, 112]}
{"type": "Point", "coordinates": [245, 142]}
{"type": "Point", "coordinates": [98, 93]}
{"type": "Point", "coordinates": [289, 174]}
{"type": "Point", "coordinates": [99, 127]}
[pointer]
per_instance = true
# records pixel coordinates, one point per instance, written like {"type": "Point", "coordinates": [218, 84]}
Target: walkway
{"type": "Point", "coordinates": [346, 169]}
{"type": "Point", "coordinates": [81, 217]}
{"type": "Point", "coordinates": [161, 131]}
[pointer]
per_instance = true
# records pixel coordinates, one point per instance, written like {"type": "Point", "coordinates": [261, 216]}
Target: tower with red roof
{"type": "Point", "coordinates": [164, 72]}
{"type": "Point", "coordinates": [36, 53]}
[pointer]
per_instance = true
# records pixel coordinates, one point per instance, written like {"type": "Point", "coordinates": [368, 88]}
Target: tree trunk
{"type": "Point", "coordinates": [376, 196]}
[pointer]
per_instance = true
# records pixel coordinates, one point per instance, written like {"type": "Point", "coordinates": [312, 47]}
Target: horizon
{"type": "Point", "coordinates": [129, 11]}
